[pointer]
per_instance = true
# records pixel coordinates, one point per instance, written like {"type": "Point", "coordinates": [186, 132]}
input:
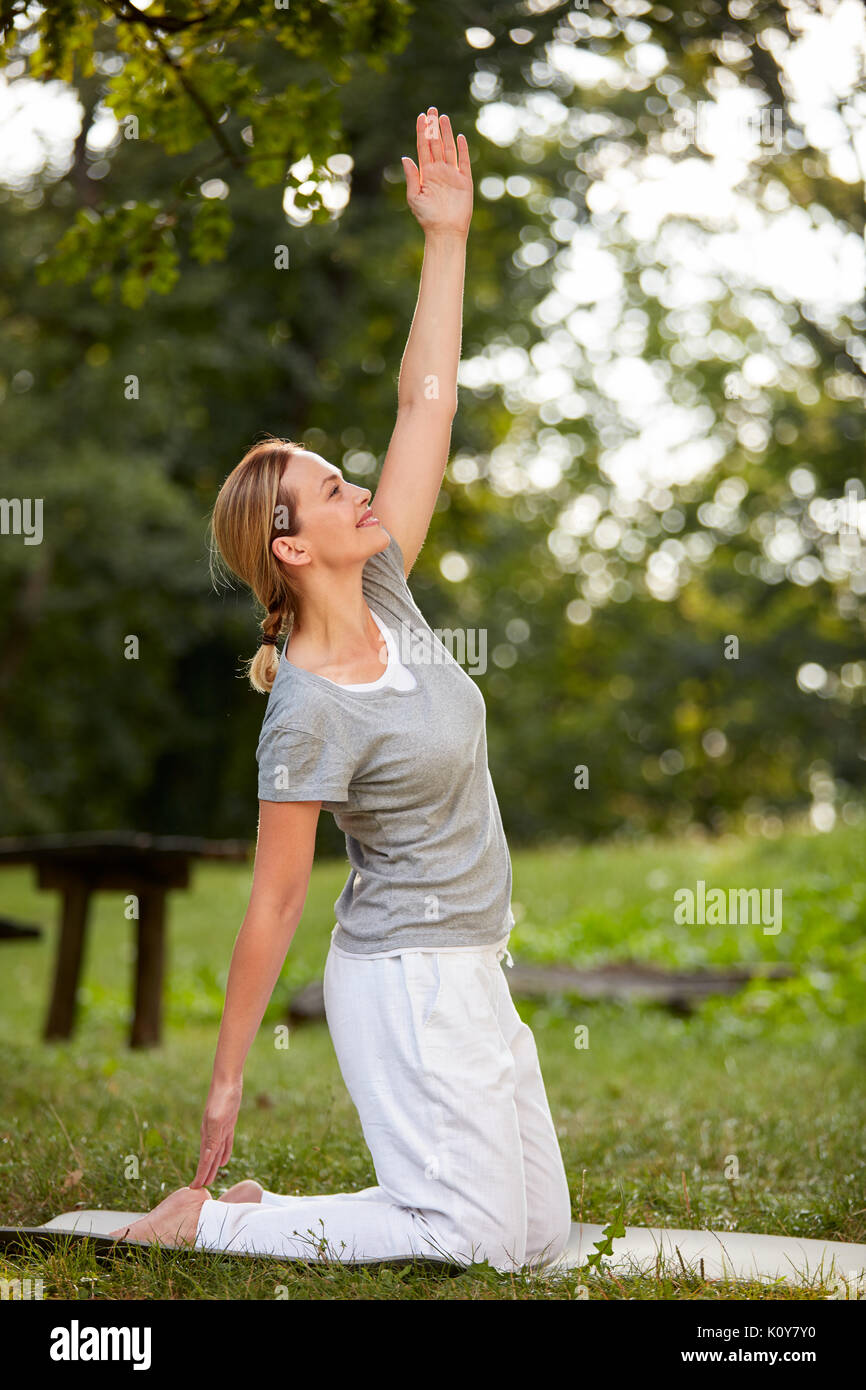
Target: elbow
{"type": "Point", "coordinates": [280, 915]}
{"type": "Point", "coordinates": [433, 402]}
{"type": "Point", "coordinates": [289, 912]}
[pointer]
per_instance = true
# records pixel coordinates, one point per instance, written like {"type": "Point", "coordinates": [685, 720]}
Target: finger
{"type": "Point", "coordinates": [207, 1164]}
{"type": "Point", "coordinates": [413, 177]}
{"type": "Point", "coordinates": [434, 136]}
{"type": "Point", "coordinates": [448, 146]}
{"type": "Point", "coordinates": [200, 1175]}
{"type": "Point", "coordinates": [423, 145]}
{"type": "Point", "coordinates": [463, 156]}
{"type": "Point", "coordinates": [201, 1172]}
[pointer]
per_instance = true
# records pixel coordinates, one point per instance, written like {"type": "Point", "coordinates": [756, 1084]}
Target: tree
{"type": "Point", "coordinates": [606, 614]}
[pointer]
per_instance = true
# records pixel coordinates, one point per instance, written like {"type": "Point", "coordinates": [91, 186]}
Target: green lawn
{"type": "Point", "coordinates": [652, 1109]}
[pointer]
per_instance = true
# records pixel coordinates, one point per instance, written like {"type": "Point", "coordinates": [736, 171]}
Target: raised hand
{"type": "Point", "coordinates": [439, 186]}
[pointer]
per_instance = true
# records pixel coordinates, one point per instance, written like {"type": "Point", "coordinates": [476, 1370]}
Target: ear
{"type": "Point", "coordinates": [290, 550]}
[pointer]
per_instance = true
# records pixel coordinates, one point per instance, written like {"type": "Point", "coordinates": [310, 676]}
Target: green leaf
{"type": "Point", "coordinates": [211, 230]}
{"type": "Point", "coordinates": [614, 1230]}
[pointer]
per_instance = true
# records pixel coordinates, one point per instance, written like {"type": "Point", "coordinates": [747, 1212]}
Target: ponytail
{"type": "Point", "coordinates": [253, 507]}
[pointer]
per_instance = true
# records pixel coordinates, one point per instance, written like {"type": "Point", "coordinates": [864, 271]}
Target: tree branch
{"type": "Point", "coordinates": [195, 97]}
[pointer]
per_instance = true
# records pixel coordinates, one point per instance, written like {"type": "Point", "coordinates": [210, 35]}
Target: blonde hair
{"type": "Point", "coordinates": [252, 508]}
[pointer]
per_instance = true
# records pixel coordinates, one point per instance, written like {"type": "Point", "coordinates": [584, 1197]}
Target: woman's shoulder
{"type": "Point", "coordinates": [293, 702]}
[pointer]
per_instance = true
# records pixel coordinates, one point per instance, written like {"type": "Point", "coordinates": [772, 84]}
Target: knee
{"type": "Point", "coordinates": [501, 1244]}
{"type": "Point", "coordinates": [549, 1232]}
{"type": "Point", "coordinates": [549, 1246]}
{"type": "Point", "coordinates": [507, 1249]}
{"type": "Point", "coordinates": [503, 1247]}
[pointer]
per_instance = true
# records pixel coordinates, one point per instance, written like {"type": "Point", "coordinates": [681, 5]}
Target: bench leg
{"type": "Point", "coordinates": [150, 965]}
{"type": "Point", "coordinates": [70, 952]}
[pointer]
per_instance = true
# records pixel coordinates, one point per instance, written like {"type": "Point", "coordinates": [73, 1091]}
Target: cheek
{"type": "Point", "coordinates": [334, 524]}
{"type": "Point", "coordinates": [332, 516]}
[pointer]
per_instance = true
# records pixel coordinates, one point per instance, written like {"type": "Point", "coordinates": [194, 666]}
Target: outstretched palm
{"type": "Point", "coordinates": [439, 186]}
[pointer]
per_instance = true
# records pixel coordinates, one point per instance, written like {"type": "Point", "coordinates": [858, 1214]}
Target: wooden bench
{"type": "Point", "coordinates": [148, 866]}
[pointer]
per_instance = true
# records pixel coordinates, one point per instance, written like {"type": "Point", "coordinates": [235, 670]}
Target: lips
{"type": "Point", "coordinates": [368, 519]}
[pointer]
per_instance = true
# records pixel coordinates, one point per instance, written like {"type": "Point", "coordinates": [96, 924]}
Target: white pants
{"type": "Point", "coordinates": [446, 1081]}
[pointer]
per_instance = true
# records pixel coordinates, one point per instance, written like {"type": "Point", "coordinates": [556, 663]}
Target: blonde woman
{"type": "Point", "coordinates": [370, 718]}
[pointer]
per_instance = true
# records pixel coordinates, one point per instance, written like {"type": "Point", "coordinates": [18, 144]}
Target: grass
{"type": "Point", "coordinates": [659, 1109]}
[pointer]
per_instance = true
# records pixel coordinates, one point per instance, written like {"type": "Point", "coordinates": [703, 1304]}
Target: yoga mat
{"type": "Point", "coordinates": [94, 1226]}
{"type": "Point", "coordinates": [732, 1255]}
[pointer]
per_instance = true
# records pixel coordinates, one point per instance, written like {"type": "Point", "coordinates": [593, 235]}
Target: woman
{"type": "Point", "coordinates": [370, 718]}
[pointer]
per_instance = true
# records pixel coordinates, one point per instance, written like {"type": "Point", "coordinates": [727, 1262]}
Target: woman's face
{"type": "Point", "coordinates": [329, 512]}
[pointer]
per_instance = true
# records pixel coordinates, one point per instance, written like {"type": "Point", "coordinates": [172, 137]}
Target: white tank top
{"type": "Point", "coordinates": [395, 672]}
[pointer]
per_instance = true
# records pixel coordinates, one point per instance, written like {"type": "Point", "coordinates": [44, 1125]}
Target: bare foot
{"type": "Point", "coordinates": [174, 1222]}
{"type": "Point", "coordinates": [247, 1191]}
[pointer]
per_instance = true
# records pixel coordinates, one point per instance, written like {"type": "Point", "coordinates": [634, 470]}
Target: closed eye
{"type": "Point", "coordinates": [334, 489]}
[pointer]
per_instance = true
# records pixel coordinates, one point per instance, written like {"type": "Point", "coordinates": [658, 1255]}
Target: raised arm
{"type": "Point", "coordinates": [439, 192]}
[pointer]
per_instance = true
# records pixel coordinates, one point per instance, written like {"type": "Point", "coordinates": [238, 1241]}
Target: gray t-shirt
{"type": "Point", "coordinates": [402, 767]}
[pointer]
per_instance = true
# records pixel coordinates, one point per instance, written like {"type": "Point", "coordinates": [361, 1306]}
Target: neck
{"type": "Point", "coordinates": [334, 621]}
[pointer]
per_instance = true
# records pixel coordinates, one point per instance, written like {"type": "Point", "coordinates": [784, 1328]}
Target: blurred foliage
{"type": "Point", "coordinates": [617, 903]}
{"type": "Point", "coordinates": [147, 336]}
